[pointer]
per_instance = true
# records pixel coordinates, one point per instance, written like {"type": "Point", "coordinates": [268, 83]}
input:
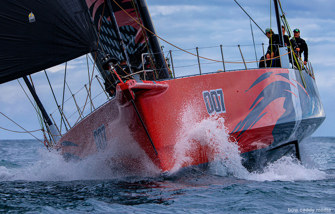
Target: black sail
{"type": "Point", "coordinates": [38, 34]}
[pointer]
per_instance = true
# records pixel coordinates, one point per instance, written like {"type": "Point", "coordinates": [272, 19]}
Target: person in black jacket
{"type": "Point", "coordinates": [286, 38]}
{"type": "Point", "coordinates": [273, 50]}
{"type": "Point", "coordinates": [291, 45]}
{"type": "Point", "coordinates": [302, 46]}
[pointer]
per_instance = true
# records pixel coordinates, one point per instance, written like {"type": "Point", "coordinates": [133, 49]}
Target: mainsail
{"type": "Point", "coordinates": [37, 34]}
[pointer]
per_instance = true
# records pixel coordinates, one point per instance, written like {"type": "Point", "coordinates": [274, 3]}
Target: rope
{"type": "Point", "coordinates": [20, 127]}
{"type": "Point", "coordinates": [127, 74]}
{"type": "Point", "coordinates": [19, 131]}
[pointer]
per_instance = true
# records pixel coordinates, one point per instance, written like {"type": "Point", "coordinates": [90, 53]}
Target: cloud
{"type": "Point", "coordinates": [175, 9]}
{"type": "Point", "coordinates": [58, 68]}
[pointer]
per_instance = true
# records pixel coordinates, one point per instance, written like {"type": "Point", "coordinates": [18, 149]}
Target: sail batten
{"type": "Point", "coordinates": [36, 35]}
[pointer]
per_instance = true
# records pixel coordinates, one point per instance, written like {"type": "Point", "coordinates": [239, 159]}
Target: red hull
{"type": "Point", "coordinates": [253, 103]}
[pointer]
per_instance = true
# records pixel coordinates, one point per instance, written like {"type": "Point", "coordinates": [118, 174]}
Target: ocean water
{"type": "Point", "coordinates": [34, 180]}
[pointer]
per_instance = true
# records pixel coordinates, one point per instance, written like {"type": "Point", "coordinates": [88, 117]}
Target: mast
{"type": "Point", "coordinates": [158, 55]}
{"type": "Point", "coordinates": [282, 49]}
{"type": "Point", "coordinates": [53, 130]}
{"type": "Point", "coordinates": [280, 33]}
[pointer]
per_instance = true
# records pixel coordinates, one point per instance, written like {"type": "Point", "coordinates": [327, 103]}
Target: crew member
{"type": "Point", "coordinates": [292, 45]}
{"type": "Point", "coordinates": [302, 46]}
{"type": "Point", "coordinates": [286, 39]}
{"type": "Point", "coordinates": [273, 50]}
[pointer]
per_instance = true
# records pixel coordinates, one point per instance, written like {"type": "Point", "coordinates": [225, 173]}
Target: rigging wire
{"type": "Point", "coordinates": [25, 132]}
{"type": "Point", "coordinates": [38, 112]}
{"type": "Point", "coordinates": [89, 89]}
{"type": "Point", "coordinates": [21, 127]}
{"type": "Point", "coordinates": [54, 95]}
{"type": "Point", "coordinates": [249, 17]}
{"type": "Point", "coordinates": [28, 96]}
{"type": "Point", "coordinates": [253, 39]}
{"type": "Point", "coordinates": [14, 122]}
{"type": "Point", "coordinates": [62, 109]}
{"type": "Point", "coordinates": [88, 69]}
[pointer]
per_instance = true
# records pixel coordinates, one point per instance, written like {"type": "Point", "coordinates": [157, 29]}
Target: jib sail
{"type": "Point", "coordinates": [37, 34]}
{"type": "Point", "coordinates": [133, 35]}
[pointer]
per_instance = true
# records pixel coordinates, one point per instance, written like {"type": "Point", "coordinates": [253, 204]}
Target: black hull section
{"type": "Point", "coordinates": [296, 126]}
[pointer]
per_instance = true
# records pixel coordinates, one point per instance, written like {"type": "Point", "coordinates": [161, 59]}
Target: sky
{"type": "Point", "coordinates": [188, 24]}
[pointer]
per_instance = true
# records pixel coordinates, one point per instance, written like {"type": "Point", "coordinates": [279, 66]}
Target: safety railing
{"type": "Point", "coordinates": [223, 59]}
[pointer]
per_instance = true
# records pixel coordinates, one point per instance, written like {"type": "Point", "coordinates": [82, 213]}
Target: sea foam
{"type": "Point", "coordinates": [224, 156]}
{"type": "Point", "coordinates": [227, 160]}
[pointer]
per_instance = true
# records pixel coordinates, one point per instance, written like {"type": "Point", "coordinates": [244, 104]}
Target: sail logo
{"type": "Point", "coordinates": [31, 17]}
{"type": "Point", "coordinates": [100, 138]}
{"type": "Point", "coordinates": [214, 101]}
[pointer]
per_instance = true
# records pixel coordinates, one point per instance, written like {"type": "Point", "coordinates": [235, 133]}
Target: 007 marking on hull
{"type": "Point", "coordinates": [100, 138]}
{"type": "Point", "coordinates": [214, 101]}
